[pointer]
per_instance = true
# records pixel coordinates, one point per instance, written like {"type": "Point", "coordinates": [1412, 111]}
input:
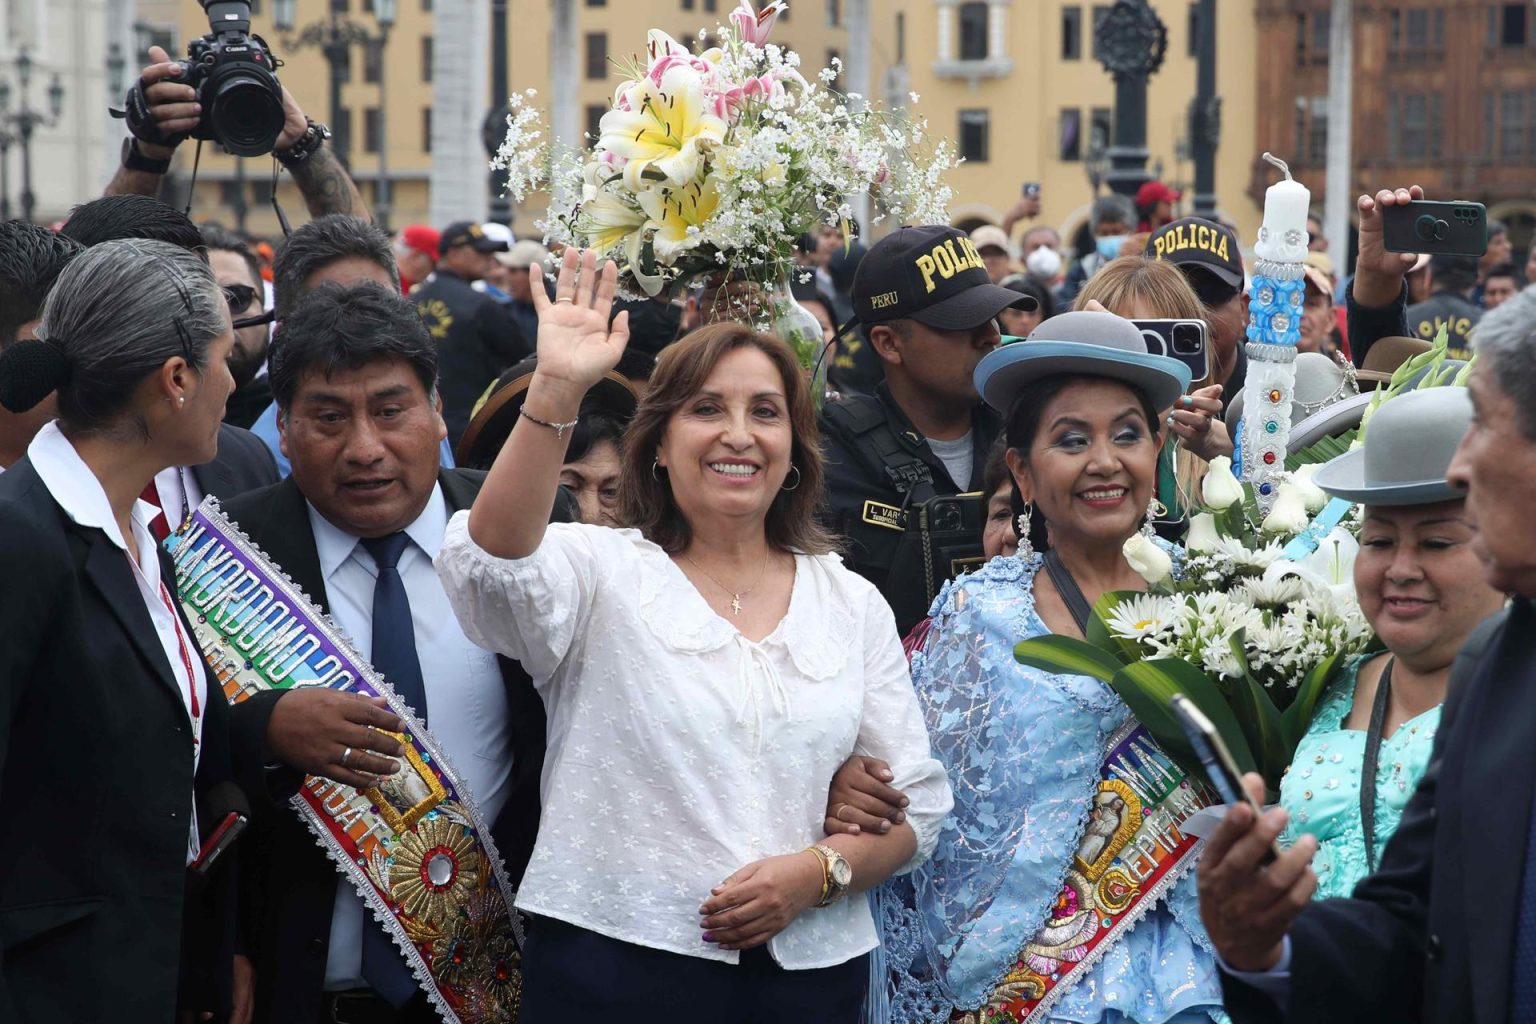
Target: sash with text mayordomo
{"type": "Point", "coordinates": [414, 846]}
{"type": "Point", "coordinates": [1131, 852]}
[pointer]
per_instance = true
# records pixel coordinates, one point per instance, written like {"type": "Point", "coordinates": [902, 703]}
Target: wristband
{"type": "Point", "coordinates": [134, 160]}
{"type": "Point", "coordinates": [314, 136]}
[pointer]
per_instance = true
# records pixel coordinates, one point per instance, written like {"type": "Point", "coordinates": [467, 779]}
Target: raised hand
{"type": "Point", "coordinates": [576, 345]}
{"type": "Point", "coordinates": [1378, 273]}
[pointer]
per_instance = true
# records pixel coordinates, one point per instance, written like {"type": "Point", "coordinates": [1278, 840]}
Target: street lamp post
{"type": "Point", "coordinates": [25, 121]}
{"type": "Point", "coordinates": [384, 12]}
{"type": "Point", "coordinates": [1205, 111]}
{"type": "Point", "coordinates": [7, 139]}
{"type": "Point", "coordinates": [334, 37]}
{"type": "Point", "coordinates": [1131, 41]}
{"type": "Point", "coordinates": [496, 120]}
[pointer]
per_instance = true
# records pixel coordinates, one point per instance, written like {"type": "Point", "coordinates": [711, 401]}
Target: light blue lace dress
{"type": "Point", "coordinates": [1023, 749]}
{"type": "Point", "coordinates": [1321, 791]}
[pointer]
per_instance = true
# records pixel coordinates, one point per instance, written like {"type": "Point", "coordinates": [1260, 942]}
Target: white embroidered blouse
{"type": "Point", "coordinates": [679, 751]}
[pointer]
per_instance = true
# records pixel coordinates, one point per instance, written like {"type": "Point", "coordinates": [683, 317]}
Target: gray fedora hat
{"type": "Point", "coordinates": [1082, 343]}
{"type": "Point", "coordinates": [1408, 449]}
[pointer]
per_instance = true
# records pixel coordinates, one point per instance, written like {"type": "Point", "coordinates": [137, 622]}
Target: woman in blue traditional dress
{"type": "Point", "coordinates": [1421, 587]}
{"type": "Point", "coordinates": [1061, 888]}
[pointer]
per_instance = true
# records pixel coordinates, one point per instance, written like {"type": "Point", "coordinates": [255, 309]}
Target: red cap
{"type": "Point", "coordinates": [421, 238]}
{"type": "Point", "coordinates": [1153, 192]}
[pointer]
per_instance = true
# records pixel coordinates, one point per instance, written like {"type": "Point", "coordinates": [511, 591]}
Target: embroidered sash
{"type": "Point", "coordinates": [1131, 852]}
{"type": "Point", "coordinates": [415, 847]}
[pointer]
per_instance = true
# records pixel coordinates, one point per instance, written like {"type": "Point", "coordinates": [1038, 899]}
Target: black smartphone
{"type": "Point", "coordinates": [1185, 340]}
{"type": "Point", "coordinates": [1031, 190]}
{"type": "Point", "coordinates": [1217, 759]}
{"type": "Point", "coordinates": [1439, 229]}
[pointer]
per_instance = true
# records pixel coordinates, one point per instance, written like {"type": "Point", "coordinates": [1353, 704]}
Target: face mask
{"type": "Point", "coordinates": [1109, 246]}
{"type": "Point", "coordinates": [1044, 263]}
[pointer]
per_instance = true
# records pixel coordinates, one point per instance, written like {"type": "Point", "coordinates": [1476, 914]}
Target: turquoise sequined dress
{"type": "Point", "coordinates": [1321, 791]}
{"type": "Point", "coordinates": [1023, 748]}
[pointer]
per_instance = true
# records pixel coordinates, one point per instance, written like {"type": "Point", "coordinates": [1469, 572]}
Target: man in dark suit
{"type": "Point", "coordinates": [1445, 930]}
{"type": "Point", "coordinates": [354, 373]}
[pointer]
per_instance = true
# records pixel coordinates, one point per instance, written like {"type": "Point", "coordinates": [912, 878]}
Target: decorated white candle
{"type": "Point", "coordinates": [1283, 238]}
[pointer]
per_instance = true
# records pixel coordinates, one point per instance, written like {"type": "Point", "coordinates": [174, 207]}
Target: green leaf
{"type": "Point", "coordinates": [1260, 720]}
{"type": "Point", "coordinates": [1147, 687]}
{"type": "Point", "coordinates": [1298, 717]}
{"type": "Point", "coordinates": [1067, 655]}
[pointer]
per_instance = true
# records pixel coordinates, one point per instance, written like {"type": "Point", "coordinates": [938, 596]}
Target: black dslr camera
{"type": "Point", "coordinates": [234, 74]}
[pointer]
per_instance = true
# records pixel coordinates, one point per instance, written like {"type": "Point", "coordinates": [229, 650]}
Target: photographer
{"type": "Point", "coordinates": [173, 112]}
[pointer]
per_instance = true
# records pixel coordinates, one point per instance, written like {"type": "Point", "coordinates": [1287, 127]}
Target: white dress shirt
{"type": "Point", "coordinates": [679, 751]}
{"type": "Point", "coordinates": [179, 494]}
{"type": "Point", "coordinates": [466, 699]}
{"type": "Point", "coordinates": [80, 495]}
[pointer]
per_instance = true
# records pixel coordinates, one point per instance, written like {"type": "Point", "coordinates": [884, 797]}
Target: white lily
{"type": "Point", "coordinates": [1220, 488]}
{"type": "Point", "coordinates": [1331, 568]}
{"type": "Point", "coordinates": [666, 131]}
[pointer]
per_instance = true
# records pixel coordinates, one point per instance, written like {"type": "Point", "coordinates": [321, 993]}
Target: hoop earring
{"type": "Point", "coordinates": [1155, 510]}
{"type": "Point", "coordinates": [1022, 524]}
{"type": "Point", "coordinates": [796, 470]}
{"type": "Point", "coordinates": [656, 471]}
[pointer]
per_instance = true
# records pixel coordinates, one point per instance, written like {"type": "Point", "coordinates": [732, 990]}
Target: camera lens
{"type": "Point", "coordinates": [247, 113]}
{"type": "Point", "coordinates": [946, 517]}
{"type": "Point", "coordinates": [1186, 340]}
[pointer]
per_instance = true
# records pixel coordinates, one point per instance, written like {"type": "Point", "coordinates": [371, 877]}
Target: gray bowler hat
{"type": "Point", "coordinates": [1083, 343]}
{"type": "Point", "coordinates": [1408, 448]}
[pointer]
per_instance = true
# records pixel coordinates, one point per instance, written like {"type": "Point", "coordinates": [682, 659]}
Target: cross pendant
{"type": "Point", "coordinates": [735, 604]}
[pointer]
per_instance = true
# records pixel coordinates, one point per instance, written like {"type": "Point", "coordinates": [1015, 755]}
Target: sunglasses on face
{"type": "Point", "coordinates": [240, 298]}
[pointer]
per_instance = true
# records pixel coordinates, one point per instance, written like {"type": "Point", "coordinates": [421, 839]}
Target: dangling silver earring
{"type": "Point", "coordinates": [1155, 510]}
{"type": "Point", "coordinates": [1022, 524]}
{"type": "Point", "coordinates": [656, 470]}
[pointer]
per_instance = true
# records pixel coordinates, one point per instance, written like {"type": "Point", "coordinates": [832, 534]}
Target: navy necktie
{"type": "Point", "coordinates": [395, 658]}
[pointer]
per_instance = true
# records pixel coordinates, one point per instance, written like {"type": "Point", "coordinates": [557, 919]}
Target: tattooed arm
{"type": "Point", "coordinates": [327, 187]}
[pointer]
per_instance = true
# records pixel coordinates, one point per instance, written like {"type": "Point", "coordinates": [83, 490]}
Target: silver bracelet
{"type": "Point", "coordinates": [558, 428]}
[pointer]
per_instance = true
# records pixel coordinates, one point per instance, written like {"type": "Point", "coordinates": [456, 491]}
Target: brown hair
{"type": "Point", "coordinates": [645, 497]}
{"type": "Point", "coordinates": [1154, 284]}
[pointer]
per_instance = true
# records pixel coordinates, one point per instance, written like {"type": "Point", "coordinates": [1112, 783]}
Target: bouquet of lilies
{"type": "Point", "coordinates": [713, 164]}
{"type": "Point", "coordinates": [1245, 626]}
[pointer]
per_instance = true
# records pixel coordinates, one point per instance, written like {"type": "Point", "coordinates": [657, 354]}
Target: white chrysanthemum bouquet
{"type": "Point", "coordinates": [1250, 634]}
{"type": "Point", "coordinates": [712, 165]}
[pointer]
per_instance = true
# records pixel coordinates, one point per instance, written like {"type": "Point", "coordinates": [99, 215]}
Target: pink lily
{"type": "Point", "coordinates": [754, 26]}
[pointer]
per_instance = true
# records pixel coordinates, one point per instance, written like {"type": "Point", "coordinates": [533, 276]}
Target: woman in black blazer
{"type": "Point", "coordinates": [112, 728]}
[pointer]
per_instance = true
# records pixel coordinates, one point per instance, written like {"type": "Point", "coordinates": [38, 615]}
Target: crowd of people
{"type": "Point", "coordinates": [728, 666]}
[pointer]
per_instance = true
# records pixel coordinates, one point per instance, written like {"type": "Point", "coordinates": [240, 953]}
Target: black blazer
{"type": "Point", "coordinates": [244, 463]}
{"type": "Point", "coordinates": [98, 779]}
{"type": "Point", "coordinates": [291, 893]}
{"type": "Point", "coordinates": [1431, 935]}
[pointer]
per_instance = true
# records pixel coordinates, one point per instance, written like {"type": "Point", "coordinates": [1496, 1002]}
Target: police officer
{"type": "Point", "coordinates": [477, 339]}
{"type": "Point", "coordinates": [927, 306]}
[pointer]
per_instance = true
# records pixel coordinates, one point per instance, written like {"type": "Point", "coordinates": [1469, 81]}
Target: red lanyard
{"type": "Point", "coordinates": [186, 662]}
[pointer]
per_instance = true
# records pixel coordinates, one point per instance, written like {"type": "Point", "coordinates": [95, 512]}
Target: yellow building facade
{"type": "Point", "coordinates": [1014, 82]}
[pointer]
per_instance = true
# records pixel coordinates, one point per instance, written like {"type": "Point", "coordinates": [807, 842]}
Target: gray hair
{"type": "Point", "coordinates": [1505, 339]}
{"type": "Point", "coordinates": [1112, 208]}
{"type": "Point", "coordinates": [118, 312]}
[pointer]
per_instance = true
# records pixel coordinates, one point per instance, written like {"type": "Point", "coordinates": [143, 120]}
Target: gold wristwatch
{"type": "Point", "coordinates": [836, 874]}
